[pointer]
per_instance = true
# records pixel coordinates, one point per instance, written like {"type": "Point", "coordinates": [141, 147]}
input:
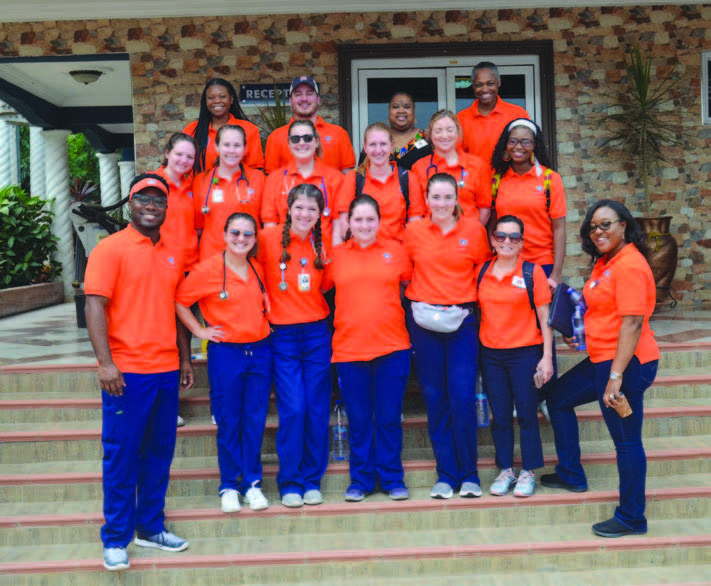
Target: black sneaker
{"type": "Point", "coordinates": [555, 481]}
{"type": "Point", "coordinates": [166, 541]}
{"type": "Point", "coordinates": [613, 528]}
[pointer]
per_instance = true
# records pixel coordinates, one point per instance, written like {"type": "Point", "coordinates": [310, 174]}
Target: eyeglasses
{"type": "Point", "coordinates": [296, 138]}
{"type": "Point", "coordinates": [604, 226]}
{"type": "Point", "coordinates": [526, 143]}
{"type": "Point", "coordinates": [514, 237]}
{"type": "Point", "coordinates": [159, 201]}
{"type": "Point", "coordinates": [245, 233]}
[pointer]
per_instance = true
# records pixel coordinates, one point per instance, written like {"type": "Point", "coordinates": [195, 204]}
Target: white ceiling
{"type": "Point", "coordinates": [43, 10]}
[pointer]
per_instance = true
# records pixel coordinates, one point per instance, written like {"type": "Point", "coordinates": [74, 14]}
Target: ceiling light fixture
{"type": "Point", "coordinates": [86, 76]}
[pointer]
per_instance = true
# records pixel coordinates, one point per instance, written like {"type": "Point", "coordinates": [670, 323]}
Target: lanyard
{"type": "Point", "coordinates": [283, 285]}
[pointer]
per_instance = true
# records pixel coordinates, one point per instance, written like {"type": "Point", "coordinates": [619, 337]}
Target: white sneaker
{"type": "Point", "coordinates": [181, 421]}
{"type": "Point", "coordinates": [526, 484]}
{"type": "Point", "coordinates": [256, 499]}
{"type": "Point", "coordinates": [229, 501]}
{"type": "Point", "coordinates": [543, 406]}
{"type": "Point", "coordinates": [503, 482]}
{"type": "Point", "coordinates": [212, 417]}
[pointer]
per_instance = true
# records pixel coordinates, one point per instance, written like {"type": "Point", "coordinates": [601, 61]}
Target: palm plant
{"type": "Point", "coordinates": [275, 116]}
{"type": "Point", "coordinates": [635, 121]}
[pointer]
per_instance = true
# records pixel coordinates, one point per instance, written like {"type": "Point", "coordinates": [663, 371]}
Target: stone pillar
{"type": "Point", "coordinates": [127, 170]}
{"type": "Point", "coordinates": [57, 174]}
{"type": "Point", "coordinates": [109, 178]}
{"type": "Point", "coordinates": [5, 173]}
{"type": "Point", "coordinates": [38, 184]}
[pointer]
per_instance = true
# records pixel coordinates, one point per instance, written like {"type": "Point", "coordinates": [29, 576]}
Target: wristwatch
{"type": "Point", "coordinates": [615, 376]}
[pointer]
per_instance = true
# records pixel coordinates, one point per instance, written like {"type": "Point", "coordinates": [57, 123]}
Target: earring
{"type": "Point", "coordinates": [533, 159]}
{"type": "Point", "coordinates": [506, 156]}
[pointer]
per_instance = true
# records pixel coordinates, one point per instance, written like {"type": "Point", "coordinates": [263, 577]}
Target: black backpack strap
{"type": "Point", "coordinates": [360, 182]}
{"type": "Point", "coordinates": [528, 280]}
{"type": "Point", "coordinates": [484, 268]}
{"type": "Point", "coordinates": [404, 179]}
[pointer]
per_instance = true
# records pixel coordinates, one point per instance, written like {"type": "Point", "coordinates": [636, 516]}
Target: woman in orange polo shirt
{"type": "Point", "coordinates": [178, 230]}
{"type": "Point", "coordinates": [516, 347]}
{"type": "Point", "coordinates": [526, 186]}
{"type": "Point", "coordinates": [229, 288]}
{"type": "Point", "coordinates": [219, 106]}
{"type": "Point", "coordinates": [227, 188]}
{"type": "Point", "coordinates": [293, 256]}
{"type": "Point", "coordinates": [371, 350]}
{"type": "Point", "coordinates": [307, 167]}
{"type": "Point", "coordinates": [472, 173]}
{"type": "Point", "coordinates": [622, 361]}
{"type": "Point", "coordinates": [382, 179]}
{"type": "Point", "coordinates": [444, 250]}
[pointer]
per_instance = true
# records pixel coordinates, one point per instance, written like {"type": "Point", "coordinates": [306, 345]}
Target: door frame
{"type": "Point", "coordinates": [543, 49]}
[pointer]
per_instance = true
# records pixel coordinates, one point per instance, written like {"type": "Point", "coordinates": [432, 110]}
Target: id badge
{"type": "Point", "coordinates": [218, 196]}
{"type": "Point", "coordinates": [304, 282]}
{"type": "Point", "coordinates": [518, 282]}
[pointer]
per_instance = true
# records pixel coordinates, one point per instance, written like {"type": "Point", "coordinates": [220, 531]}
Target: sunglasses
{"type": "Point", "coordinates": [526, 143]}
{"type": "Point", "coordinates": [159, 201]}
{"type": "Point", "coordinates": [245, 233]}
{"type": "Point", "coordinates": [604, 226]}
{"type": "Point", "coordinates": [514, 237]}
{"type": "Point", "coordinates": [296, 138]}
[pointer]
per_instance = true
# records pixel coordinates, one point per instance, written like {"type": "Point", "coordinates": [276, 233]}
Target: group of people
{"type": "Point", "coordinates": [442, 247]}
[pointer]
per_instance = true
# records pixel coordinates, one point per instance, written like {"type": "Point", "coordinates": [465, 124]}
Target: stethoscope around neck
{"type": "Point", "coordinates": [326, 209]}
{"type": "Point", "coordinates": [242, 177]}
{"type": "Point", "coordinates": [462, 172]}
{"type": "Point", "coordinates": [224, 295]}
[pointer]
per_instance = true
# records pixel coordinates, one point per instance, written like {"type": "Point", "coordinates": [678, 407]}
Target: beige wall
{"type": "Point", "coordinates": [172, 57]}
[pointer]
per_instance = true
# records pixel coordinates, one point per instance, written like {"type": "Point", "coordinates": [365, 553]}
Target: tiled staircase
{"type": "Point", "coordinates": [50, 502]}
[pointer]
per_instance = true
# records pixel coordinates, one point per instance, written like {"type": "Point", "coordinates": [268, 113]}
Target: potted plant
{"type": "Point", "coordinates": [639, 129]}
{"type": "Point", "coordinates": [26, 247]}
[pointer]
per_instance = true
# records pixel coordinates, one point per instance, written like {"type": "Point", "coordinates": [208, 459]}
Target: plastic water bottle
{"type": "Point", "coordinates": [339, 430]}
{"type": "Point", "coordinates": [577, 298]}
{"type": "Point", "coordinates": [579, 328]}
{"type": "Point", "coordinates": [482, 409]}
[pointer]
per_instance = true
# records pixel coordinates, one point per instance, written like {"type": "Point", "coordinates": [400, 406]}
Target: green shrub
{"type": "Point", "coordinates": [26, 240]}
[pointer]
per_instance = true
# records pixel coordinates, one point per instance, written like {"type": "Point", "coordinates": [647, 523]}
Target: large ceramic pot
{"type": "Point", "coordinates": [663, 254]}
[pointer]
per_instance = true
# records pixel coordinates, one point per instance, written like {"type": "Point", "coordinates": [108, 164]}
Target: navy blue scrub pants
{"type": "Point", "coordinates": [508, 378]}
{"type": "Point", "coordinates": [240, 382]}
{"type": "Point", "coordinates": [138, 437]}
{"type": "Point", "coordinates": [302, 380]}
{"type": "Point", "coordinates": [372, 392]}
{"type": "Point", "coordinates": [583, 384]}
{"type": "Point", "coordinates": [446, 366]}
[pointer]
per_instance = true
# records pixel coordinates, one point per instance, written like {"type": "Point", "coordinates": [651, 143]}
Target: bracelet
{"type": "Point", "coordinates": [615, 376]}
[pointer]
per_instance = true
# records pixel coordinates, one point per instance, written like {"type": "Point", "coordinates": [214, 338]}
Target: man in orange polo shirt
{"type": "Point", "coordinates": [130, 285]}
{"type": "Point", "coordinates": [305, 98]}
{"type": "Point", "coordinates": [483, 121]}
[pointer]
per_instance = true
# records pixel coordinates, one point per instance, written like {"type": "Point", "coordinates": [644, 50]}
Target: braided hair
{"type": "Point", "coordinates": [501, 166]}
{"type": "Point", "coordinates": [205, 119]}
{"type": "Point", "coordinates": [311, 192]}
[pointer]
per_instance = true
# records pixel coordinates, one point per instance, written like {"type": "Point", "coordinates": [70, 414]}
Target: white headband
{"type": "Point", "coordinates": [523, 122]}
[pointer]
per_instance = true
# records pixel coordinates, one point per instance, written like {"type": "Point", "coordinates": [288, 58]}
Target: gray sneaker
{"type": "Point", "coordinates": [526, 484]}
{"type": "Point", "coordinates": [469, 490]}
{"type": "Point", "coordinates": [503, 482]}
{"type": "Point", "coordinates": [441, 490]}
{"type": "Point", "coordinates": [313, 497]}
{"type": "Point", "coordinates": [166, 541]}
{"type": "Point", "coordinates": [292, 500]}
{"type": "Point", "coordinates": [116, 558]}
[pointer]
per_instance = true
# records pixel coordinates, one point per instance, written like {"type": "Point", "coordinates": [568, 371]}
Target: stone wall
{"type": "Point", "coordinates": [171, 58]}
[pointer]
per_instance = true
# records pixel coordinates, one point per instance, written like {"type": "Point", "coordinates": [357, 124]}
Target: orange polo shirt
{"type": "Point", "coordinates": [224, 197]}
{"type": "Point", "coordinates": [241, 314]}
{"type": "Point", "coordinates": [481, 133]}
{"type": "Point", "coordinates": [507, 320]}
{"type": "Point", "coordinates": [470, 169]}
{"type": "Point", "coordinates": [393, 210]}
{"type": "Point", "coordinates": [369, 319]}
{"type": "Point", "coordinates": [621, 286]}
{"type": "Point", "coordinates": [253, 155]}
{"type": "Point", "coordinates": [444, 264]}
{"type": "Point", "coordinates": [139, 280]}
{"type": "Point", "coordinates": [297, 304]}
{"type": "Point", "coordinates": [525, 197]}
{"type": "Point", "coordinates": [335, 144]}
{"type": "Point", "coordinates": [178, 230]}
{"type": "Point", "coordinates": [281, 182]}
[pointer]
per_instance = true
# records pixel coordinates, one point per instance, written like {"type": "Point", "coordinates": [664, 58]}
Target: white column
{"type": "Point", "coordinates": [127, 170]}
{"type": "Point", "coordinates": [109, 178]}
{"type": "Point", "coordinates": [5, 174]}
{"type": "Point", "coordinates": [57, 174]}
{"type": "Point", "coordinates": [38, 184]}
{"type": "Point", "coordinates": [12, 143]}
